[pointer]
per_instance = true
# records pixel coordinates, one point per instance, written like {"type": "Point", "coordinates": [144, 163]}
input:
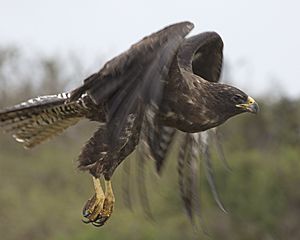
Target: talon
{"type": "Point", "coordinates": [100, 221]}
{"type": "Point", "coordinates": [85, 212]}
{"type": "Point", "coordinates": [86, 221]}
{"type": "Point", "coordinates": [97, 224]}
{"type": "Point", "coordinates": [99, 208]}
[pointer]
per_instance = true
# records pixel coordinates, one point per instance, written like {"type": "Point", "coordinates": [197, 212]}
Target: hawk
{"type": "Point", "coordinates": [166, 82]}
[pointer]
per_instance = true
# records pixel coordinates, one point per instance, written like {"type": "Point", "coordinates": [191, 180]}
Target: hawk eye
{"type": "Point", "coordinates": [237, 98]}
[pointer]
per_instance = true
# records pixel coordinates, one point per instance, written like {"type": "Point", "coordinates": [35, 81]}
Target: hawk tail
{"type": "Point", "coordinates": [38, 119]}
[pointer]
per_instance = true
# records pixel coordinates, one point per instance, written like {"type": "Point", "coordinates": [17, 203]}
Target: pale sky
{"type": "Point", "coordinates": [261, 37]}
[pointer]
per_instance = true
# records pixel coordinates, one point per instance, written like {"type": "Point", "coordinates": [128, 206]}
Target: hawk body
{"type": "Point", "coordinates": [164, 83]}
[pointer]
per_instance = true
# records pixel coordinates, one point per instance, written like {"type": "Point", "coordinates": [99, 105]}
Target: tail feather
{"type": "Point", "coordinates": [41, 118]}
{"type": "Point", "coordinates": [36, 136]}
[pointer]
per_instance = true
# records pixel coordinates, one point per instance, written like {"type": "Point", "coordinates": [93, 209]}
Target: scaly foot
{"type": "Point", "coordinates": [98, 209]}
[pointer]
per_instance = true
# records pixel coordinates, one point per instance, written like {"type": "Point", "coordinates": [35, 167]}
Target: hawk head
{"type": "Point", "coordinates": [232, 101]}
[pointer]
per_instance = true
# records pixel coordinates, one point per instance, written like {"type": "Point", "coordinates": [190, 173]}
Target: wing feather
{"type": "Point", "coordinates": [137, 75]}
{"type": "Point", "coordinates": [209, 170]}
{"type": "Point", "coordinates": [160, 140]}
{"type": "Point", "coordinates": [202, 54]}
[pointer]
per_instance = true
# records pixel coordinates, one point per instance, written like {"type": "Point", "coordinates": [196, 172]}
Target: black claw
{"type": "Point", "coordinates": [101, 220]}
{"type": "Point", "coordinates": [97, 224]}
{"type": "Point", "coordinates": [85, 213]}
{"type": "Point", "coordinates": [98, 220]}
{"type": "Point", "coordinates": [86, 221]}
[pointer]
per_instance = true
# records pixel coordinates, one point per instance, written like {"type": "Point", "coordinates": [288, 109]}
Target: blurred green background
{"type": "Point", "coordinates": [42, 193]}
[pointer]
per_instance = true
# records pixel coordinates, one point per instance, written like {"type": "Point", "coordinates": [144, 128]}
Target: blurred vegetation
{"type": "Point", "coordinates": [42, 193]}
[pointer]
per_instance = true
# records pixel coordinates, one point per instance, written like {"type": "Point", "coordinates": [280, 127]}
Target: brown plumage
{"type": "Point", "coordinates": [162, 84]}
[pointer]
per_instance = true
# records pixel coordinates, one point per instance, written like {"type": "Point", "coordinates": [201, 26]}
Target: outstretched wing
{"type": "Point", "coordinates": [201, 54]}
{"type": "Point", "coordinates": [137, 75]}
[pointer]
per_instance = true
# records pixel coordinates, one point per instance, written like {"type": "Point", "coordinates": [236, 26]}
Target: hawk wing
{"type": "Point", "coordinates": [137, 75]}
{"type": "Point", "coordinates": [202, 55]}
{"type": "Point", "coordinates": [134, 78]}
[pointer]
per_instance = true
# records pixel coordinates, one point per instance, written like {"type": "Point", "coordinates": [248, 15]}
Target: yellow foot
{"type": "Point", "coordinates": [99, 208]}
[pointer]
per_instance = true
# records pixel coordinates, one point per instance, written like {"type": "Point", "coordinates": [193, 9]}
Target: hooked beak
{"type": "Point", "coordinates": [250, 106]}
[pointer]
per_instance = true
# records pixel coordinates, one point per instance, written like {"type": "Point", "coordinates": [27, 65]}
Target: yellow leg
{"type": "Point", "coordinates": [99, 208]}
{"type": "Point", "coordinates": [98, 189]}
{"type": "Point", "coordinates": [109, 201]}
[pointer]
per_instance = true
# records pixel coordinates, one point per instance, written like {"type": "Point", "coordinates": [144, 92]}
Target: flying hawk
{"type": "Point", "coordinates": [162, 84]}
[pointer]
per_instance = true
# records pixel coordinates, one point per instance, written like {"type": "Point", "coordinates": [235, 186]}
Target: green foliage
{"type": "Point", "coordinates": [42, 193]}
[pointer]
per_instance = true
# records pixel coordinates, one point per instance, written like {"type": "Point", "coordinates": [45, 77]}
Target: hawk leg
{"type": "Point", "coordinates": [98, 209]}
